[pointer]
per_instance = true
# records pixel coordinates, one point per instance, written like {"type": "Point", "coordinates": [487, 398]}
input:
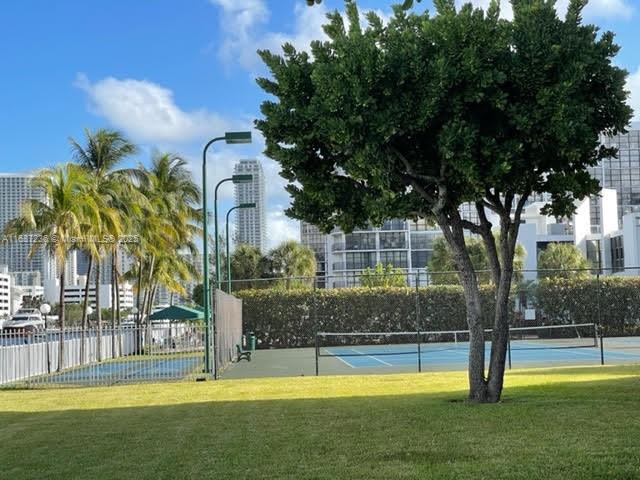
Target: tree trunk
{"type": "Point", "coordinates": [139, 313]}
{"type": "Point", "coordinates": [85, 304]}
{"type": "Point", "coordinates": [118, 313]}
{"type": "Point", "coordinates": [454, 235]}
{"type": "Point", "coordinates": [61, 320]}
{"type": "Point", "coordinates": [98, 313]}
{"type": "Point", "coordinates": [113, 304]}
{"type": "Point", "coordinates": [500, 341]}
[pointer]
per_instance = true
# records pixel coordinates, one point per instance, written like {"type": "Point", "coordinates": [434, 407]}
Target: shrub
{"type": "Point", "coordinates": [285, 319]}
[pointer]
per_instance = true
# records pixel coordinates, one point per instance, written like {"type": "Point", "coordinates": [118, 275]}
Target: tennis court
{"type": "Point", "coordinates": [393, 352]}
{"type": "Point", "coordinates": [136, 369]}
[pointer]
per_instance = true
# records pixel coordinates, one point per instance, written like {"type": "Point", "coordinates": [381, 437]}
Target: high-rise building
{"type": "Point", "coordinates": [251, 223]}
{"type": "Point", "coordinates": [15, 189]}
{"type": "Point", "coordinates": [621, 174]}
{"type": "Point", "coordinates": [403, 244]}
{"type": "Point", "coordinates": [312, 237]}
{"type": "Point", "coordinates": [5, 293]}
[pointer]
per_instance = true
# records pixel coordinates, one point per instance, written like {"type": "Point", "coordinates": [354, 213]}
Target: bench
{"type": "Point", "coordinates": [246, 354]}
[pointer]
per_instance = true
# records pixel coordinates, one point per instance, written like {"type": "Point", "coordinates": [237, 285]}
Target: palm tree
{"type": "Point", "coordinates": [294, 262]}
{"type": "Point", "coordinates": [68, 212]}
{"type": "Point", "coordinates": [103, 151]}
{"type": "Point", "coordinates": [167, 227]}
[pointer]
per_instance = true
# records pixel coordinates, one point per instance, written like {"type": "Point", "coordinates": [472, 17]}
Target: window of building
{"type": "Point", "coordinates": [593, 253]}
{"type": "Point", "coordinates": [421, 241]}
{"type": "Point", "coordinates": [393, 240]}
{"type": "Point", "coordinates": [617, 254]}
{"type": "Point", "coordinates": [397, 259]}
{"type": "Point", "coordinates": [360, 260]}
{"type": "Point", "coordinates": [360, 241]}
{"type": "Point", "coordinates": [420, 259]}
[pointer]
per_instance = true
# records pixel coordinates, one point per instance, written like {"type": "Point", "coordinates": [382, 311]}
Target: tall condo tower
{"type": "Point", "coordinates": [251, 223]}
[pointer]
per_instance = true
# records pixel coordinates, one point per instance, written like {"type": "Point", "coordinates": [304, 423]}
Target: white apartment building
{"type": "Point", "coordinates": [251, 223]}
{"type": "Point", "coordinates": [75, 293]}
{"type": "Point", "coordinates": [5, 294]}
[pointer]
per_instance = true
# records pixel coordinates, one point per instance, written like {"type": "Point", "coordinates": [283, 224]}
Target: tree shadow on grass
{"type": "Point", "coordinates": [556, 431]}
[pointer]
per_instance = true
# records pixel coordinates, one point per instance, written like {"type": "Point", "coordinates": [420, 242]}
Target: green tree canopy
{"type": "Point", "coordinates": [293, 262]}
{"type": "Point", "coordinates": [246, 264]}
{"type": "Point", "coordinates": [383, 276]}
{"type": "Point", "coordinates": [563, 260]}
{"type": "Point", "coordinates": [442, 260]}
{"type": "Point", "coordinates": [416, 117]}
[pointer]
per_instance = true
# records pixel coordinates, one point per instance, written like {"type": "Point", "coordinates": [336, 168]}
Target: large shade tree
{"type": "Point", "coordinates": [428, 112]}
{"type": "Point", "coordinates": [442, 263]}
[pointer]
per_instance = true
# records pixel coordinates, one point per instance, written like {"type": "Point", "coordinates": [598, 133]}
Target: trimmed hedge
{"type": "Point", "coordinates": [290, 318]}
{"type": "Point", "coordinates": [285, 319]}
{"type": "Point", "coordinates": [614, 302]}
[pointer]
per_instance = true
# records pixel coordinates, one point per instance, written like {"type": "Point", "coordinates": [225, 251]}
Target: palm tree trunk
{"type": "Point", "coordinates": [118, 315]}
{"type": "Point", "coordinates": [61, 320]}
{"type": "Point", "coordinates": [85, 304]}
{"type": "Point", "coordinates": [98, 312]}
{"type": "Point", "coordinates": [139, 313]}
{"type": "Point", "coordinates": [152, 294]}
{"type": "Point", "coordinates": [113, 304]}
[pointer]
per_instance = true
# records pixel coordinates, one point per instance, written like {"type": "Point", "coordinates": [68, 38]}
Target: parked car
{"type": "Point", "coordinates": [25, 320]}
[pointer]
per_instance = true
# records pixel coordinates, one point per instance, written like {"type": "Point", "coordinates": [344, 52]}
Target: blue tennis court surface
{"type": "Point", "coordinates": [386, 356]}
{"type": "Point", "coordinates": [122, 371]}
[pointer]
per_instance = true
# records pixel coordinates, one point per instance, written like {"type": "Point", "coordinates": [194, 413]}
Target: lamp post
{"type": "Point", "coordinates": [244, 178]}
{"type": "Point", "coordinates": [45, 309]}
{"type": "Point", "coordinates": [242, 205]}
{"type": "Point", "coordinates": [230, 138]}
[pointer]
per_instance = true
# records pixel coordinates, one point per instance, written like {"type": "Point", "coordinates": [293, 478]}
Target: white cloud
{"type": "Point", "coordinates": [147, 111]}
{"type": "Point", "coordinates": [594, 9]}
{"type": "Point", "coordinates": [243, 23]}
{"type": "Point", "coordinates": [633, 85]}
{"type": "Point", "coordinates": [281, 227]}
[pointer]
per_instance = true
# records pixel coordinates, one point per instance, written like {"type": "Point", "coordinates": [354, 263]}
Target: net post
{"type": "Point", "coordinates": [317, 350]}
{"type": "Point", "coordinates": [509, 345]}
{"type": "Point", "coordinates": [601, 344]}
{"type": "Point", "coordinates": [419, 353]}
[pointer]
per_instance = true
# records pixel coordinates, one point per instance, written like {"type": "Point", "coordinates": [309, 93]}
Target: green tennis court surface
{"type": "Point", "coordinates": [400, 358]}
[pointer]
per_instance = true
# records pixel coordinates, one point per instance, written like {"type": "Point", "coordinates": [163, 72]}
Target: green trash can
{"type": "Point", "coordinates": [252, 341]}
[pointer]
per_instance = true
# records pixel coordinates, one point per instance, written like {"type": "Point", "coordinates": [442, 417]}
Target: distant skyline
{"type": "Point", "coordinates": [172, 74]}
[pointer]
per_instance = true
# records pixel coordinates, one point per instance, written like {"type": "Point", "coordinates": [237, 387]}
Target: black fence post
{"type": "Point", "coordinates": [314, 312]}
{"type": "Point", "coordinates": [317, 350]}
{"type": "Point", "coordinates": [601, 345]}
{"type": "Point", "coordinates": [509, 345]}
{"type": "Point", "coordinates": [418, 325]}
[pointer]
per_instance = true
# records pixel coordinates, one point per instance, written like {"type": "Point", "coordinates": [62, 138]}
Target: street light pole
{"type": "Point", "coordinates": [229, 138]}
{"type": "Point", "coordinates": [244, 178]}
{"type": "Point", "coordinates": [242, 205]}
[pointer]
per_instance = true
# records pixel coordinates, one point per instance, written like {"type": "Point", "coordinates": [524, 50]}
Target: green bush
{"type": "Point", "coordinates": [614, 302]}
{"type": "Point", "coordinates": [286, 319]}
{"type": "Point", "coordinates": [283, 319]}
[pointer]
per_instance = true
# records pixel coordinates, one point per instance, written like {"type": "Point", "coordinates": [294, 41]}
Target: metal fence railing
{"type": "Point", "coordinates": [132, 353]}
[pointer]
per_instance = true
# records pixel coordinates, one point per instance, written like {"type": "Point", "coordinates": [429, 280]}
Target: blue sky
{"type": "Point", "coordinates": [172, 73]}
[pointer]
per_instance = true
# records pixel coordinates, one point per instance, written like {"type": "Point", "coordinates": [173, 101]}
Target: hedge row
{"type": "Point", "coordinates": [282, 319]}
{"type": "Point", "coordinates": [613, 302]}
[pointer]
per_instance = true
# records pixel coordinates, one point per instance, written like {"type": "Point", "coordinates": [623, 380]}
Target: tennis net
{"type": "Point", "coordinates": [348, 344]}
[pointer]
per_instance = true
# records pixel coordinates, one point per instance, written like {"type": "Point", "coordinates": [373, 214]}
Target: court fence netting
{"type": "Point", "coordinates": [150, 351]}
{"type": "Point", "coordinates": [552, 311]}
{"type": "Point", "coordinates": [419, 346]}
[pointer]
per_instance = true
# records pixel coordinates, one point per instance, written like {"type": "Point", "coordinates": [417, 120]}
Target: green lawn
{"type": "Point", "coordinates": [553, 424]}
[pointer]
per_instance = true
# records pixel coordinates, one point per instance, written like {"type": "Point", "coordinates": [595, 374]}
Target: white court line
{"type": "Point", "coordinates": [341, 359]}
{"type": "Point", "coordinates": [372, 357]}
